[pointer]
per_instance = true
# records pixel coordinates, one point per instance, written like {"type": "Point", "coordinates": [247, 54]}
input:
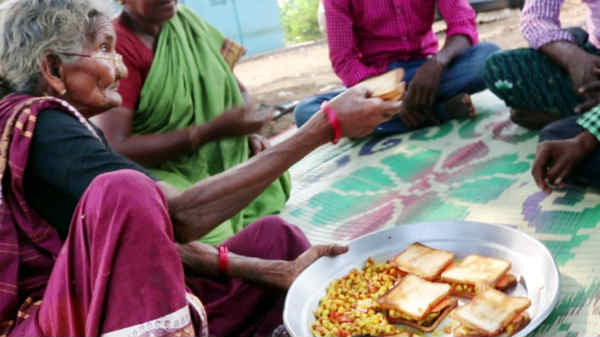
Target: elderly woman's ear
{"type": "Point", "coordinates": [52, 73]}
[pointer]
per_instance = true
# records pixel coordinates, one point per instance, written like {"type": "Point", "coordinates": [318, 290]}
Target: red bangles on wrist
{"type": "Point", "coordinates": [335, 124]}
{"type": "Point", "coordinates": [223, 259]}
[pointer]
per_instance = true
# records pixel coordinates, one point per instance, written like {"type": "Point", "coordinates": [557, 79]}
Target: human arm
{"type": "Point", "coordinates": [343, 50]}
{"type": "Point", "coordinates": [541, 27]}
{"type": "Point", "coordinates": [422, 91]}
{"type": "Point", "coordinates": [153, 149]}
{"type": "Point", "coordinates": [203, 259]}
{"type": "Point", "coordinates": [540, 23]}
{"type": "Point", "coordinates": [209, 202]}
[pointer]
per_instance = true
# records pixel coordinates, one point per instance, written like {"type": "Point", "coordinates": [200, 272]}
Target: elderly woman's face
{"type": "Point", "coordinates": [93, 80]}
{"type": "Point", "coordinates": [154, 11]}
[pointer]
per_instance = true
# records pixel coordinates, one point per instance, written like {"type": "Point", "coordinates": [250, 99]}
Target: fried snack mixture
{"type": "Point", "coordinates": [349, 308]}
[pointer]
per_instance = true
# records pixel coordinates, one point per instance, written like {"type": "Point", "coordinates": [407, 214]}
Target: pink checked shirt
{"type": "Point", "coordinates": [540, 22]}
{"type": "Point", "coordinates": [365, 36]}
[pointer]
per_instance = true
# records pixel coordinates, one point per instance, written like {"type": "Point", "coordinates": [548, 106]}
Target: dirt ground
{"type": "Point", "coordinates": [301, 71]}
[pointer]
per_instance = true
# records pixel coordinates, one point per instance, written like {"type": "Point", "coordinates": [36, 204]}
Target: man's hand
{"type": "Point", "coordinates": [556, 159]}
{"type": "Point", "coordinates": [422, 92]}
{"type": "Point", "coordinates": [584, 68]}
{"type": "Point", "coordinates": [591, 92]}
{"type": "Point", "coordinates": [293, 268]}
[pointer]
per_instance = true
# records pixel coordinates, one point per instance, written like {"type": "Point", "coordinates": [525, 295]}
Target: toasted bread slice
{"type": "Point", "coordinates": [490, 312]}
{"type": "Point", "coordinates": [423, 261]}
{"type": "Point", "coordinates": [414, 297]}
{"type": "Point", "coordinates": [474, 270]}
{"type": "Point", "coordinates": [386, 86]}
{"type": "Point", "coordinates": [433, 318]}
{"type": "Point", "coordinates": [507, 281]}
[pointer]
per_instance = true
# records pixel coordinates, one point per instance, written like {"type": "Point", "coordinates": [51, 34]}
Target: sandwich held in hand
{"type": "Point", "coordinates": [388, 87]}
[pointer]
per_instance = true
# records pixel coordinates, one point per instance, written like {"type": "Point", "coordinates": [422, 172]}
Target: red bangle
{"type": "Point", "coordinates": [335, 124]}
{"type": "Point", "coordinates": [223, 259]}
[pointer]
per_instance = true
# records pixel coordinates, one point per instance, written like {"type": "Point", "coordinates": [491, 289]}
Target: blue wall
{"type": "Point", "coordinates": [256, 24]}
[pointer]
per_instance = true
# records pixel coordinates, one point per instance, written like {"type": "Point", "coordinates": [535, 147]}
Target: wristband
{"type": "Point", "coordinates": [335, 124]}
{"type": "Point", "coordinates": [223, 259]}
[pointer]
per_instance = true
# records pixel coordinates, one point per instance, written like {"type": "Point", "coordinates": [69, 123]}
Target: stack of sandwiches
{"type": "Point", "coordinates": [389, 86]}
{"type": "Point", "coordinates": [426, 295]}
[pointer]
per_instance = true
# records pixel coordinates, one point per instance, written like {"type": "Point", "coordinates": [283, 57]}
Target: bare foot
{"type": "Point", "coordinates": [460, 107]}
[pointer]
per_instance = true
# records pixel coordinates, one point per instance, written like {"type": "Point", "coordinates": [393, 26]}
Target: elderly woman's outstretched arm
{"type": "Point", "coordinates": [200, 208]}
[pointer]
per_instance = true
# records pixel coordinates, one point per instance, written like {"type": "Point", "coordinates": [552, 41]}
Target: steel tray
{"type": "Point", "coordinates": [531, 262]}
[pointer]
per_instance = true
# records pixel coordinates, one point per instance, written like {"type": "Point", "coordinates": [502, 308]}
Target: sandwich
{"type": "Point", "coordinates": [422, 261]}
{"type": "Point", "coordinates": [418, 303]}
{"type": "Point", "coordinates": [388, 87]}
{"type": "Point", "coordinates": [475, 269]}
{"type": "Point", "coordinates": [490, 314]}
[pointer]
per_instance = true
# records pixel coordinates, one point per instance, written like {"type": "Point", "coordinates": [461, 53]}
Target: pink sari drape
{"type": "Point", "coordinates": [118, 273]}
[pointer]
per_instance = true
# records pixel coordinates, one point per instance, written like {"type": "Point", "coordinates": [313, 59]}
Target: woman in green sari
{"type": "Point", "coordinates": [184, 114]}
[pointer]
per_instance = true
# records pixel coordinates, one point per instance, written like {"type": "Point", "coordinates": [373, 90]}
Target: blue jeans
{"type": "Point", "coordinates": [463, 75]}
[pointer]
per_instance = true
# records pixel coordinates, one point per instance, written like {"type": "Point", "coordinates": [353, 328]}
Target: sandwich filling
{"type": "Point", "coordinates": [428, 320]}
{"type": "Point", "coordinates": [461, 330]}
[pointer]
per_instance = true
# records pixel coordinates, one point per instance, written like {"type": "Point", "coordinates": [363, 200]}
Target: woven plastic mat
{"type": "Point", "coordinates": [475, 170]}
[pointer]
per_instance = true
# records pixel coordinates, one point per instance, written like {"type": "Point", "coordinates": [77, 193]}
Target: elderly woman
{"type": "Point", "coordinates": [88, 238]}
{"type": "Point", "coordinates": [182, 115]}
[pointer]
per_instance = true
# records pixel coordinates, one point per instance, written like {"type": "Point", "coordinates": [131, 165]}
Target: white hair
{"type": "Point", "coordinates": [30, 29]}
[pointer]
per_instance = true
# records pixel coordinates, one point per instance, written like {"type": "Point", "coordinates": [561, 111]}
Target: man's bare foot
{"type": "Point", "coordinates": [460, 107]}
{"type": "Point", "coordinates": [534, 120]}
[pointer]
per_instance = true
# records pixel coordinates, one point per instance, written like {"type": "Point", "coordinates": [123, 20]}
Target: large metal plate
{"type": "Point", "coordinates": [531, 263]}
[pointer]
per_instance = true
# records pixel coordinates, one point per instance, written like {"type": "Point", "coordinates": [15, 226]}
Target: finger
{"type": "Point", "coordinates": [539, 168]}
{"type": "Point", "coordinates": [410, 119]}
{"type": "Point", "coordinates": [559, 169]}
{"type": "Point", "coordinates": [431, 98]}
{"type": "Point", "coordinates": [255, 145]}
{"type": "Point", "coordinates": [265, 143]}
{"type": "Point", "coordinates": [587, 105]}
{"type": "Point", "coordinates": [561, 178]}
{"type": "Point", "coordinates": [330, 250]}
{"type": "Point", "coordinates": [419, 117]}
{"type": "Point", "coordinates": [591, 87]}
{"type": "Point", "coordinates": [362, 91]}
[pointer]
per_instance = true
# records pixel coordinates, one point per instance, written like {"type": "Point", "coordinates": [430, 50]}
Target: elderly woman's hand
{"type": "Point", "coordinates": [292, 269]}
{"type": "Point", "coordinates": [359, 114]}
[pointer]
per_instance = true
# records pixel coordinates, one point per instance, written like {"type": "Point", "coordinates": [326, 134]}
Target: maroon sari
{"type": "Point", "coordinates": [117, 273]}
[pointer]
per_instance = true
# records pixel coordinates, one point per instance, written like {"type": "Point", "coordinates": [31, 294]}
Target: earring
{"type": "Point", "coordinates": [63, 92]}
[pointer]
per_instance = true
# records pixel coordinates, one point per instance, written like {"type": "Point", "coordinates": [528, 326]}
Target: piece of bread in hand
{"type": "Point", "coordinates": [388, 86]}
{"type": "Point", "coordinates": [425, 262]}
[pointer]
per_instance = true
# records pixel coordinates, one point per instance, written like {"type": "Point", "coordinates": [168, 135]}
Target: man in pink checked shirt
{"type": "Point", "coordinates": [369, 37]}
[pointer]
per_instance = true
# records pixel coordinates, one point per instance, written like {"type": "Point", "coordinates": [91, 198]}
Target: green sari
{"type": "Point", "coordinates": [190, 83]}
